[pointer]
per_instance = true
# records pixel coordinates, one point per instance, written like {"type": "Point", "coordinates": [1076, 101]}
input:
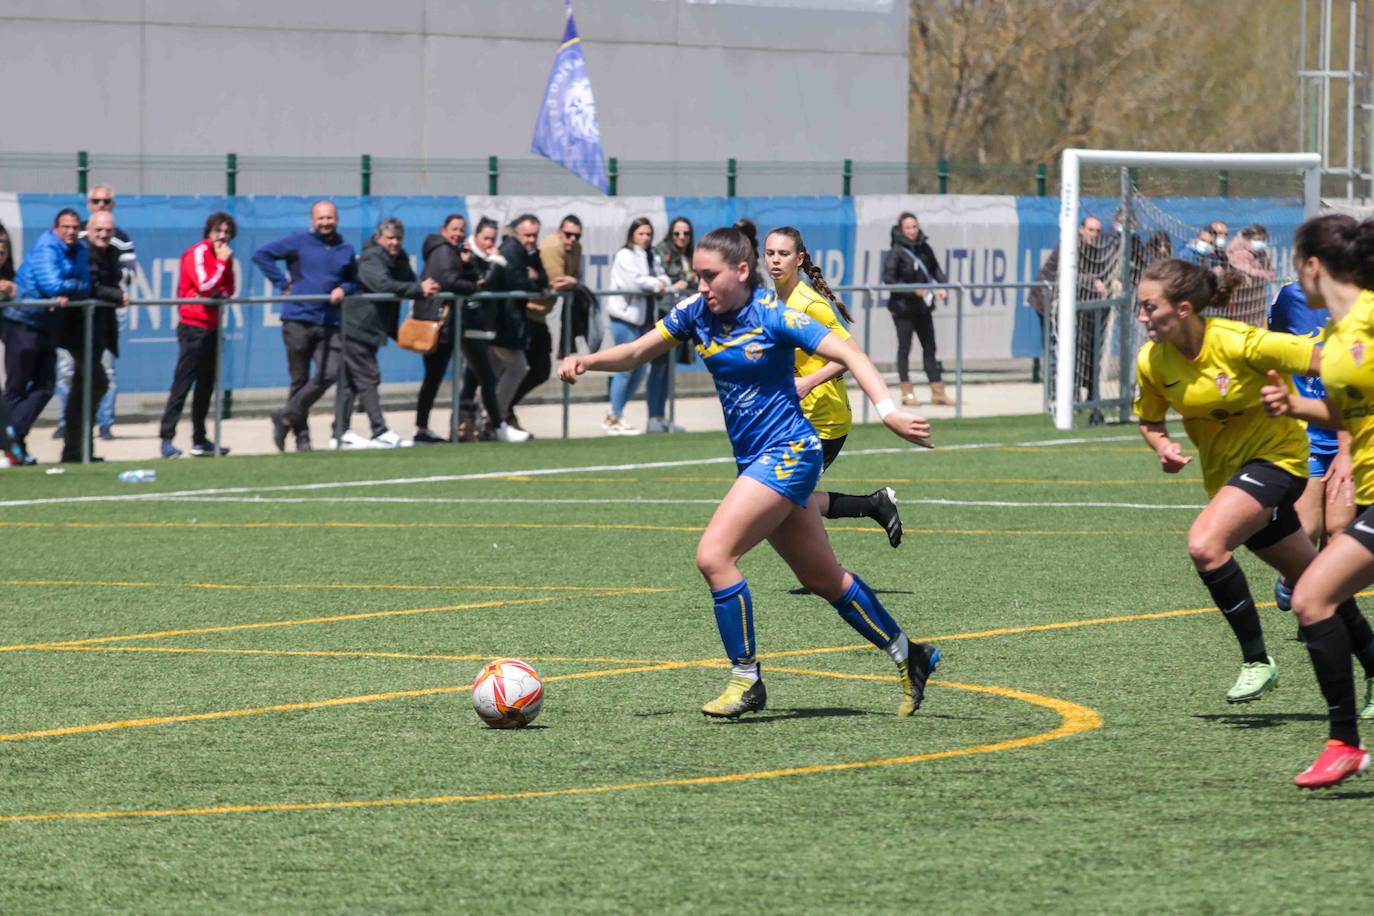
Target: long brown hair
{"type": "Point", "coordinates": [734, 245]}
{"type": "Point", "coordinates": [813, 273]}
{"type": "Point", "coordinates": [1345, 247]}
{"type": "Point", "coordinates": [1184, 282]}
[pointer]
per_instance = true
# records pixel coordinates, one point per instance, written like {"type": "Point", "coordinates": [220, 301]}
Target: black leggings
{"type": "Point", "coordinates": [918, 321]}
{"type": "Point", "coordinates": [478, 373]}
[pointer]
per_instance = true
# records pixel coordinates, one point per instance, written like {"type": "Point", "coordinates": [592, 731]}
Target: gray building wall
{"type": "Point", "coordinates": [452, 79]}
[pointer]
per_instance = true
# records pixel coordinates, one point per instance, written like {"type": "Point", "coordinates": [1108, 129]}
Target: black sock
{"type": "Point", "coordinates": [842, 505]}
{"type": "Point", "coordinates": [1232, 595]}
{"type": "Point", "coordinates": [1328, 642]}
{"type": "Point", "coordinates": [1361, 636]}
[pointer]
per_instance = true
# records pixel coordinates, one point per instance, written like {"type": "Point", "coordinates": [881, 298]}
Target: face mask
{"type": "Point", "coordinates": [1202, 247]}
{"type": "Point", "coordinates": [1118, 227]}
{"type": "Point", "coordinates": [1257, 245]}
{"type": "Point", "coordinates": [1221, 242]}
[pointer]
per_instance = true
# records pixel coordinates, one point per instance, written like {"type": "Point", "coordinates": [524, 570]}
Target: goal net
{"type": "Point", "coordinates": [1119, 212]}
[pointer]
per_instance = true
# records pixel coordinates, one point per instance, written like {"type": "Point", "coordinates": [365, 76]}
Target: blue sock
{"type": "Point", "coordinates": [735, 620]}
{"type": "Point", "coordinates": [862, 610]}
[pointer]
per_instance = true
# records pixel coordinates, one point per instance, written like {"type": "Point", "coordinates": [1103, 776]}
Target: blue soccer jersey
{"type": "Point", "coordinates": [751, 354]}
{"type": "Point", "coordinates": [1290, 314]}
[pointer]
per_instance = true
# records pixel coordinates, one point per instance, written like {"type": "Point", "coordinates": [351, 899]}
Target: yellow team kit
{"type": "Point", "coordinates": [827, 406]}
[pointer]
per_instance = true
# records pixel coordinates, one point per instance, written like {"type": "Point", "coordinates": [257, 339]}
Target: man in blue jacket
{"type": "Point", "coordinates": [56, 268]}
{"type": "Point", "coordinates": [320, 263]}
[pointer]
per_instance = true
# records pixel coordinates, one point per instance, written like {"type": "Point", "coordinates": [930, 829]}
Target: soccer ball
{"type": "Point", "coordinates": [507, 693]}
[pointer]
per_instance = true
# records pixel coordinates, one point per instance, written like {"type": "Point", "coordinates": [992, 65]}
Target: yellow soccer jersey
{"type": "Point", "coordinates": [1218, 396]}
{"type": "Point", "coordinates": [827, 406]}
{"type": "Point", "coordinates": [1348, 375]}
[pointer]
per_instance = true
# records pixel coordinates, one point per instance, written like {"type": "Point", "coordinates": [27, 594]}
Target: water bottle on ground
{"type": "Point", "coordinates": [142, 475]}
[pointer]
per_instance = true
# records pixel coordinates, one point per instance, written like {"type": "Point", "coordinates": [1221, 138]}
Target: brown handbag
{"type": "Point", "coordinates": [420, 335]}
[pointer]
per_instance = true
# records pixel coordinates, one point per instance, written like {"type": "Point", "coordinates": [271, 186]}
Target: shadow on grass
{"type": "Point", "coordinates": [1345, 796]}
{"type": "Point", "coordinates": [877, 591]}
{"type": "Point", "coordinates": [1259, 719]}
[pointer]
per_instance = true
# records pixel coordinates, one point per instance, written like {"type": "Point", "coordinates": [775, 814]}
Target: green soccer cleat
{"type": "Point", "coordinates": [921, 660]}
{"type": "Point", "coordinates": [741, 695]}
{"type": "Point", "coordinates": [1367, 711]}
{"type": "Point", "coordinates": [1256, 679]}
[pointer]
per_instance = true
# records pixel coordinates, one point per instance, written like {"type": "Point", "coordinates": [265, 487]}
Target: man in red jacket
{"type": "Point", "coordinates": [207, 272]}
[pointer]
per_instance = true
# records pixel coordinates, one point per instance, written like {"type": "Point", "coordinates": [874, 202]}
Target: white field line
{"type": "Point", "coordinates": [533, 472]}
{"type": "Point", "coordinates": [630, 501]}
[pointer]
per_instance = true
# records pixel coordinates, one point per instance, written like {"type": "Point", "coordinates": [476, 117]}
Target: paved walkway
{"type": "Point", "coordinates": [253, 434]}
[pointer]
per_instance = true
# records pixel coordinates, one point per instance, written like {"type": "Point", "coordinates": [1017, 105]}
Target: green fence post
{"type": "Point", "coordinates": [493, 174]}
{"type": "Point", "coordinates": [366, 175]}
{"type": "Point", "coordinates": [83, 169]}
{"type": "Point", "coordinates": [613, 176]}
{"type": "Point", "coordinates": [730, 177]}
{"type": "Point", "coordinates": [231, 174]}
{"type": "Point", "coordinates": [942, 171]}
{"type": "Point", "coordinates": [1224, 183]}
{"type": "Point", "coordinates": [848, 178]}
{"type": "Point", "coordinates": [1041, 173]}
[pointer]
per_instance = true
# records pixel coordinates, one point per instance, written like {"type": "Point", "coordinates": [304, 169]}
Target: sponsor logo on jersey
{"type": "Point", "coordinates": [1223, 382]}
{"type": "Point", "coordinates": [795, 319]}
{"type": "Point", "coordinates": [753, 352]}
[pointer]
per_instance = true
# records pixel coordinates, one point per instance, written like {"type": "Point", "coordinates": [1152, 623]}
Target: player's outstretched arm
{"type": "Point", "coordinates": [620, 358]}
{"type": "Point", "coordinates": [1171, 457]}
{"type": "Point", "coordinates": [847, 353]}
{"type": "Point", "coordinates": [1280, 402]}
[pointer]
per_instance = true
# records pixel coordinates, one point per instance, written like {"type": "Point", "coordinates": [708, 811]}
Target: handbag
{"type": "Point", "coordinates": [420, 335]}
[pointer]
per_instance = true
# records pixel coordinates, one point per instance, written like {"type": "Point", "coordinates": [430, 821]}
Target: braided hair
{"type": "Point", "coordinates": [813, 273]}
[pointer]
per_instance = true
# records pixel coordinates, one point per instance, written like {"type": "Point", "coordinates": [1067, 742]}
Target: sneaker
{"type": "Point", "coordinates": [1336, 764]}
{"type": "Point", "coordinates": [169, 450]}
{"type": "Point", "coordinates": [424, 437]}
{"type": "Point", "coordinates": [1367, 711]}
{"type": "Point", "coordinates": [107, 434]}
{"type": "Point", "coordinates": [204, 450]}
{"type": "Point", "coordinates": [389, 439]}
{"type": "Point", "coordinates": [660, 425]}
{"type": "Point", "coordinates": [616, 426]}
{"type": "Point", "coordinates": [885, 513]}
{"type": "Point", "coordinates": [279, 430]}
{"type": "Point", "coordinates": [60, 432]}
{"type": "Point", "coordinates": [514, 421]}
{"type": "Point", "coordinates": [920, 664]}
{"type": "Point", "coordinates": [303, 441]}
{"type": "Point", "coordinates": [507, 433]}
{"type": "Point", "coordinates": [1283, 595]}
{"type": "Point", "coordinates": [351, 442]}
{"type": "Point", "coordinates": [1256, 679]}
{"type": "Point", "coordinates": [21, 451]}
{"type": "Point", "coordinates": [741, 695]}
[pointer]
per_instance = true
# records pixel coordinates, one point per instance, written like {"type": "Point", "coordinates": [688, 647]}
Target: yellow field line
{"type": "Point", "coordinates": [1074, 719]}
{"type": "Point", "coordinates": [355, 586]}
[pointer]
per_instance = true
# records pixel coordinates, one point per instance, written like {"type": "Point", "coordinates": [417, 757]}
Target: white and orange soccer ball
{"type": "Point", "coordinates": [507, 693]}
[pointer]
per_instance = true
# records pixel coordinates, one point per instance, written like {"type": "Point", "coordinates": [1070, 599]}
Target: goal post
{"type": "Point", "coordinates": [1067, 308]}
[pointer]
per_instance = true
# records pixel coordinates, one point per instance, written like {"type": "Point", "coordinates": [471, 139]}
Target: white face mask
{"type": "Point", "coordinates": [1202, 246]}
{"type": "Point", "coordinates": [1221, 241]}
{"type": "Point", "coordinates": [1258, 245]}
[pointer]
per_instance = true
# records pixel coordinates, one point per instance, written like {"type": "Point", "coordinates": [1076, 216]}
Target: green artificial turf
{"type": "Point", "coordinates": [1097, 768]}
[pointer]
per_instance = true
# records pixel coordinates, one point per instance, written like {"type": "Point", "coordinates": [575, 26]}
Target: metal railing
{"type": "Point", "coordinates": [872, 297]}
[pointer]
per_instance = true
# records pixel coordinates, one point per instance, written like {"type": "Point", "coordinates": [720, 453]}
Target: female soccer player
{"type": "Point", "coordinates": [823, 397]}
{"type": "Point", "coordinates": [1334, 257]}
{"type": "Point", "coordinates": [747, 338]}
{"type": "Point", "coordinates": [1211, 371]}
{"type": "Point", "coordinates": [1328, 504]}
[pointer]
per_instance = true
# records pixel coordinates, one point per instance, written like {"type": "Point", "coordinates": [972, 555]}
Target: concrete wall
{"type": "Point", "coordinates": [674, 79]}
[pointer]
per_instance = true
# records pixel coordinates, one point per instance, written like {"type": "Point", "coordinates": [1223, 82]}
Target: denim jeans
{"type": "Point", "coordinates": [625, 384]}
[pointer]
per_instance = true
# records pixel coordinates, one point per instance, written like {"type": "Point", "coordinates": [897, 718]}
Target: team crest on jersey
{"type": "Point", "coordinates": [794, 319]}
{"type": "Point", "coordinates": [753, 352]}
{"type": "Point", "coordinates": [1357, 352]}
{"type": "Point", "coordinates": [1223, 382]}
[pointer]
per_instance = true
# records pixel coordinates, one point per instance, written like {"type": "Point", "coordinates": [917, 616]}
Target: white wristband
{"type": "Point", "coordinates": [885, 407]}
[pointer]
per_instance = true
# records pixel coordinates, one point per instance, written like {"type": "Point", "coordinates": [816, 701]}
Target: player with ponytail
{"type": "Point", "coordinates": [748, 341]}
{"type": "Point", "coordinates": [819, 383]}
{"type": "Point", "coordinates": [1211, 371]}
{"type": "Point", "coordinates": [1334, 257]}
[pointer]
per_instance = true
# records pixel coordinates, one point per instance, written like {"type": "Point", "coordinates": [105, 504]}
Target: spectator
{"type": "Point", "coordinates": [1219, 233]}
{"type": "Point", "coordinates": [100, 199]}
{"type": "Point", "coordinates": [522, 272]}
{"type": "Point", "coordinates": [1093, 277]}
{"type": "Point", "coordinates": [676, 253]}
{"type": "Point", "coordinates": [1202, 251]}
{"type": "Point", "coordinates": [636, 268]}
{"type": "Point", "coordinates": [320, 263]}
{"type": "Point", "coordinates": [384, 267]}
{"type": "Point", "coordinates": [57, 268]}
{"type": "Point", "coordinates": [479, 322]}
{"type": "Point", "coordinates": [1248, 253]}
{"type": "Point", "coordinates": [207, 272]}
{"type": "Point", "coordinates": [7, 286]}
{"type": "Point", "coordinates": [106, 275]}
{"type": "Point", "coordinates": [911, 260]}
{"type": "Point", "coordinates": [448, 262]}
{"type": "Point", "coordinates": [1159, 247]}
{"type": "Point", "coordinates": [560, 253]}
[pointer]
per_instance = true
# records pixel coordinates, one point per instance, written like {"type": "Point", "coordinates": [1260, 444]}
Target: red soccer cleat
{"type": "Point", "coordinates": [1337, 763]}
